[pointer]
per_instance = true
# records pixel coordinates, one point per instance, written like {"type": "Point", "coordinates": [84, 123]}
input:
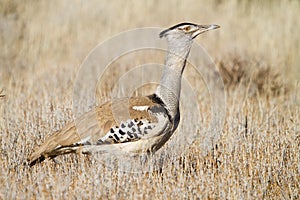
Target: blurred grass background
{"type": "Point", "coordinates": [257, 51]}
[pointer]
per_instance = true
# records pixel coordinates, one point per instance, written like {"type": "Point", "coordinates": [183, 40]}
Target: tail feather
{"type": "Point", "coordinates": [87, 126]}
{"type": "Point", "coordinates": [77, 148]}
{"type": "Point", "coordinates": [64, 137]}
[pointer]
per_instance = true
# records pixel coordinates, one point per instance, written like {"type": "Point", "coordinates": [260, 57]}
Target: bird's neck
{"type": "Point", "coordinates": [170, 83]}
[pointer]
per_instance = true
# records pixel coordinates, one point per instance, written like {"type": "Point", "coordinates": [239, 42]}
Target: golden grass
{"type": "Point", "coordinates": [257, 51]}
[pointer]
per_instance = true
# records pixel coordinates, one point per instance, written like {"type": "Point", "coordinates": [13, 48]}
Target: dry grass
{"type": "Point", "coordinates": [257, 52]}
{"type": "Point", "coordinates": [263, 79]}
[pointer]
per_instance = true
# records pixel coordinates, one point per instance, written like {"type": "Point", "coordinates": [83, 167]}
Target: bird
{"type": "Point", "coordinates": [152, 119]}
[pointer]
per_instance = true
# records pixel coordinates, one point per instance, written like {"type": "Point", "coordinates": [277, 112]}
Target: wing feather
{"type": "Point", "coordinates": [93, 125]}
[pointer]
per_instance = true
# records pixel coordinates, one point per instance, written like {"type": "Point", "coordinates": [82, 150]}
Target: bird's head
{"type": "Point", "coordinates": [186, 30]}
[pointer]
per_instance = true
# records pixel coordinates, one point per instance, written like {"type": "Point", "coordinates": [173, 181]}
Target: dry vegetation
{"type": "Point", "coordinates": [256, 50]}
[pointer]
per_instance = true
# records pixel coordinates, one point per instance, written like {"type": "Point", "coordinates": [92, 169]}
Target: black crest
{"type": "Point", "coordinates": [174, 27]}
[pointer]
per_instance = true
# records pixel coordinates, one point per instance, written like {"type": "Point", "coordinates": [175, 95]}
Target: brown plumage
{"type": "Point", "coordinates": [94, 124]}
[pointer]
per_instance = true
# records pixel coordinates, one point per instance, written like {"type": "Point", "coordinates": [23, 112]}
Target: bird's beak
{"type": "Point", "coordinates": [209, 27]}
{"type": "Point", "coordinates": [204, 28]}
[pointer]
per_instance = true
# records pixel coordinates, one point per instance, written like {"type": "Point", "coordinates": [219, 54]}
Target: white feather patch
{"type": "Point", "coordinates": [84, 140]}
{"type": "Point", "coordinates": [140, 108]}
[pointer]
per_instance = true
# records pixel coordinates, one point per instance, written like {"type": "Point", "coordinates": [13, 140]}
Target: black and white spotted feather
{"type": "Point", "coordinates": [128, 131]}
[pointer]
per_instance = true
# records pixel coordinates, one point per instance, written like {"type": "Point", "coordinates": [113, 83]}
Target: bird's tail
{"type": "Point", "coordinates": [64, 137]}
{"type": "Point", "coordinates": [38, 157]}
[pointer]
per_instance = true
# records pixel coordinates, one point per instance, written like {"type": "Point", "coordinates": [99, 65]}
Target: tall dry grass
{"type": "Point", "coordinates": [257, 52]}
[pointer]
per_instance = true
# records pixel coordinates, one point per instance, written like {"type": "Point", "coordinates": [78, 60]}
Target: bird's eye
{"type": "Point", "coordinates": [187, 28]}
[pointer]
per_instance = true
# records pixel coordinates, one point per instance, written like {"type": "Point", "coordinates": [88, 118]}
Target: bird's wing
{"type": "Point", "coordinates": [133, 136]}
{"type": "Point", "coordinates": [100, 125]}
{"type": "Point", "coordinates": [148, 121]}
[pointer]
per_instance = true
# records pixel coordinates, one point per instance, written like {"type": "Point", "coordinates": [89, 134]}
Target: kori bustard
{"type": "Point", "coordinates": [153, 119]}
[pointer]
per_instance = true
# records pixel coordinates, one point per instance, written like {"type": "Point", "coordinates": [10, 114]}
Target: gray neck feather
{"type": "Point", "coordinates": [170, 83]}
